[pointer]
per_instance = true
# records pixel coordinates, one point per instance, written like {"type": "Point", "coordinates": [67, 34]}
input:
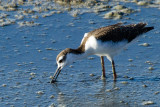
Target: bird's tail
{"type": "Point", "coordinates": [146, 29]}
{"type": "Point", "coordinates": [143, 28]}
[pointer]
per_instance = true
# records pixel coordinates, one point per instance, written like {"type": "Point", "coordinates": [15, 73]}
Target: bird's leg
{"type": "Point", "coordinates": [103, 67]}
{"type": "Point", "coordinates": [113, 70]}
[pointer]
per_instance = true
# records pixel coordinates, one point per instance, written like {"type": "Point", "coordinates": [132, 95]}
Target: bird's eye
{"type": "Point", "coordinates": [60, 61]}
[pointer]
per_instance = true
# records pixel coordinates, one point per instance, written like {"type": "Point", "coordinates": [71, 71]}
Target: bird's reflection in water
{"type": "Point", "coordinates": [109, 95]}
{"type": "Point", "coordinates": [99, 93]}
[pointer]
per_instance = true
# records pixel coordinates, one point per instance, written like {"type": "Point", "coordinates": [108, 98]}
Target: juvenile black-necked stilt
{"type": "Point", "coordinates": [106, 41]}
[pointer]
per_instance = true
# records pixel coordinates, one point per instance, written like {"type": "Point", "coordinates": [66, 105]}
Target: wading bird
{"type": "Point", "coordinates": [106, 41]}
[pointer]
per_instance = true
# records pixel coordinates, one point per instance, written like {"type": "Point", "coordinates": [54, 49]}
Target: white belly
{"type": "Point", "coordinates": [109, 48]}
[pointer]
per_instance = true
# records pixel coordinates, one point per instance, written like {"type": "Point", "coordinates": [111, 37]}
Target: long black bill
{"type": "Point", "coordinates": [56, 75]}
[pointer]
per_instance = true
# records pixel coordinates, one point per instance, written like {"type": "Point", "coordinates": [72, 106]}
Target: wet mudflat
{"type": "Point", "coordinates": [29, 46]}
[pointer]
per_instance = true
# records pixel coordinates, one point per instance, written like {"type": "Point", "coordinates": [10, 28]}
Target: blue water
{"type": "Point", "coordinates": [23, 50]}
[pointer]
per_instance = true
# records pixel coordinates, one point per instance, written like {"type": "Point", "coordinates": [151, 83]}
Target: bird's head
{"type": "Point", "coordinates": [63, 59]}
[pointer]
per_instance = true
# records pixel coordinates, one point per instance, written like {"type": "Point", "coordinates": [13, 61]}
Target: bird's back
{"type": "Point", "coordinates": [116, 33]}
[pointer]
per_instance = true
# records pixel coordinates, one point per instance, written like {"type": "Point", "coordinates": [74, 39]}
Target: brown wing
{"type": "Point", "coordinates": [117, 32]}
{"type": "Point", "coordinates": [104, 29]}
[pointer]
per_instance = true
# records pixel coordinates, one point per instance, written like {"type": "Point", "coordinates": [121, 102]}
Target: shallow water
{"type": "Point", "coordinates": [28, 59]}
